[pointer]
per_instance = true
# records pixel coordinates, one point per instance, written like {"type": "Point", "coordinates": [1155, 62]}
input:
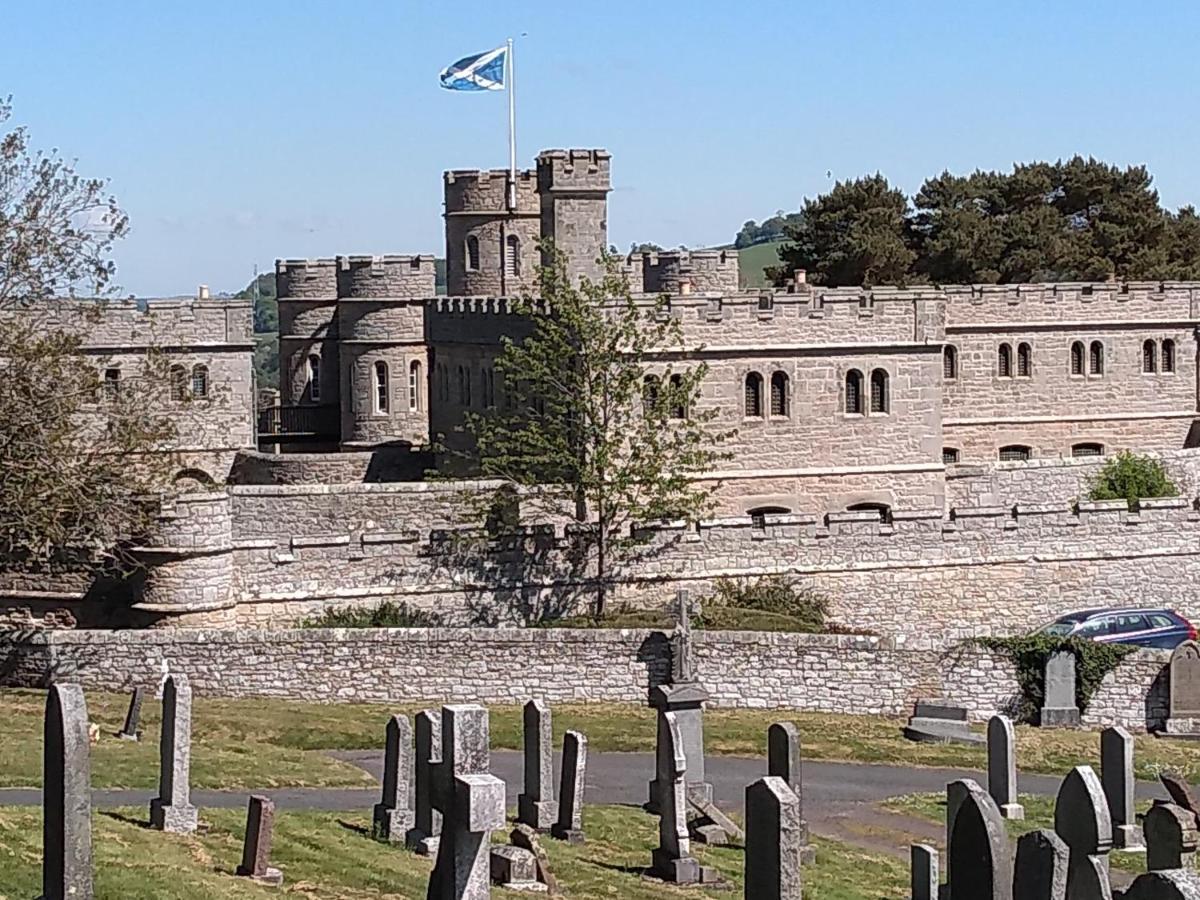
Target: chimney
{"type": "Point", "coordinates": [202, 292]}
{"type": "Point", "coordinates": [801, 276]}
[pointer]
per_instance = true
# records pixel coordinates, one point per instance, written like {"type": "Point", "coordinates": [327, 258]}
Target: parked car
{"type": "Point", "coordinates": [1161, 628]}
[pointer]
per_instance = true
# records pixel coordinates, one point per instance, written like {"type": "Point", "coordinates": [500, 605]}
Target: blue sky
{"type": "Point", "coordinates": [238, 132]}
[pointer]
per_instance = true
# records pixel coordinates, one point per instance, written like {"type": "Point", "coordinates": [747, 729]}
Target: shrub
{"type": "Point", "coordinates": [776, 597]}
{"type": "Point", "coordinates": [385, 615]}
{"type": "Point", "coordinates": [1130, 477]}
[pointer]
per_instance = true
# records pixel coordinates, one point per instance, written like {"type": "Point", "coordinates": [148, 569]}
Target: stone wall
{"type": "Point", "coordinates": [376, 465]}
{"type": "Point", "coordinates": [819, 673]}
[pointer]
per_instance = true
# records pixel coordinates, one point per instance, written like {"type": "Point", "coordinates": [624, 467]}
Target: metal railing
{"type": "Point", "coordinates": [292, 422]}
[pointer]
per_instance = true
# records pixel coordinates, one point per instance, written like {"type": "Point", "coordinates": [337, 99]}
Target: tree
{"type": "Point", "coordinates": [591, 402]}
{"type": "Point", "coordinates": [1130, 477]}
{"type": "Point", "coordinates": [76, 449]}
{"type": "Point", "coordinates": [855, 234]}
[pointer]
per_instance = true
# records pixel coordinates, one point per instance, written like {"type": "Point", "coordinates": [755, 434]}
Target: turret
{"type": "Point", "coordinates": [573, 187]}
{"type": "Point", "coordinates": [491, 249]}
{"type": "Point", "coordinates": [308, 352]}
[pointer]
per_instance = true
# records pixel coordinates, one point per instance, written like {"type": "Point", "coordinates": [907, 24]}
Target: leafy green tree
{"type": "Point", "coordinates": [855, 234]}
{"type": "Point", "coordinates": [585, 404]}
{"type": "Point", "coordinates": [1130, 477]}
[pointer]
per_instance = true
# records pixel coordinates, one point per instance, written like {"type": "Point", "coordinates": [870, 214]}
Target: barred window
{"type": "Point", "coordinates": [1149, 356]}
{"type": "Point", "coordinates": [1168, 355]}
{"type": "Point", "coordinates": [472, 253]}
{"type": "Point", "coordinates": [1004, 361]}
{"type": "Point", "coordinates": [1088, 448]}
{"type": "Point", "coordinates": [950, 362]}
{"type": "Point", "coordinates": [854, 392]}
{"type": "Point", "coordinates": [1096, 359]}
{"type": "Point", "coordinates": [678, 402]}
{"type": "Point", "coordinates": [779, 394]}
{"type": "Point", "coordinates": [754, 389]}
{"type": "Point", "coordinates": [949, 455]}
{"type": "Point", "coordinates": [178, 383]}
{"type": "Point", "coordinates": [1014, 453]}
{"type": "Point", "coordinates": [1077, 358]}
{"type": "Point", "coordinates": [381, 387]}
{"type": "Point", "coordinates": [512, 256]}
{"type": "Point", "coordinates": [314, 378]}
{"type": "Point", "coordinates": [879, 391]}
{"type": "Point", "coordinates": [199, 381]}
{"type": "Point", "coordinates": [1024, 360]}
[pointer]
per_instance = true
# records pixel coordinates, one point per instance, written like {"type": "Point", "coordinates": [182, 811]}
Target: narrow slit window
{"type": "Point", "coordinates": [1149, 356]}
{"type": "Point", "coordinates": [1004, 361]}
{"type": "Point", "coordinates": [314, 378]}
{"type": "Point", "coordinates": [779, 394]}
{"type": "Point", "coordinates": [472, 253]}
{"type": "Point", "coordinates": [950, 363]}
{"type": "Point", "coordinates": [754, 386]}
{"type": "Point", "coordinates": [854, 392]}
{"type": "Point", "coordinates": [1168, 355]}
{"type": "Point", "coordinates": [879, 391]}
{"type": "Point", "coordinates": [178, 383]}
{"type": "Point", "coordinates": [414, 385]}
{"type": "Point", "coordinates": [200, 381]}
{"type": "Point", "coordinates": [1024, 360]}
{"type": "Point", "coordinates": [1077, 358]}
{"type": "Point", "coordinates": [512, 256]}
{"type": "Point", "coordinates": [1096, 358]}
{"type": "Point", "coordinates": [381, 387]}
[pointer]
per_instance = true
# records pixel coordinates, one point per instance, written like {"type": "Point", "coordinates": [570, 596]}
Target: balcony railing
{"type": "Point", "coordinates": [298, 423]}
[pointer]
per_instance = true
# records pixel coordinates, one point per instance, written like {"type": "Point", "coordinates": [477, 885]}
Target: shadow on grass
{"type": "Point", "coordinates": [360, 830]}
{"type": "Point", "coordinates": [128, 820]}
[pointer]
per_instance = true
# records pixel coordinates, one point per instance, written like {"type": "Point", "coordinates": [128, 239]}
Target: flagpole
{"type": "Point", "coordinates": [512, 129]}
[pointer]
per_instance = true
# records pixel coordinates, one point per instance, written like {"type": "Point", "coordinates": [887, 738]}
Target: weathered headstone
{"type": "Point", "coordinates": [1002, 767]}
{"type": "Point", "coordinates": [979, 858]}
{"type": "Point", "coordinates": [923, 867]}
{"type": "Point", "coordinates": [66, 797]}
{"type": "Point", "coordinates": [1040, 872]}
{"type": "Point", "coordinates": [133, 715]}
{"type": "Point", "coordinates": [1171, 837]}
{"type": "Point", "coordinates": [392, 817]}
{"type": "Point", "coordinates": [672, 860]}
{"type": "Point", "coordinates": [1081, 819]}
{"type": "Point", "coordinates": [784, 760]}
{"type": "Point", "coordinates": [1179, 790]}
{"type": "Point", "coordinates": [526, 837]}
{"type": "Point", "coordinates": [471, 801]}
{"type": "Point", "coordinates": [172, 809]}
{"type": "Point", "coordinates": [256, 849]}
{"type": "Point", "coordinates": [1058, 705]}
{"type": "Point", "coordinates": [536, 806]}
{"type": "Point", "coordinates": [1184, 691]}
{"type": "Point", "coordinates": [773, 841]}
{"type": "Point", "coordinates": [956, 794]}
{"type": "Point", "coordinates": [1116, 775]}
{"type": "Point", "coordinates": [569, 826]}
{"type": "Point", "coordinates": [1177, 885]}
{"type": "Point", "coordinates": [515, 868]}
{"type": "Point", "coordinates": [427, 820]}
{"type": "Point", "coordinates": [939, 722]}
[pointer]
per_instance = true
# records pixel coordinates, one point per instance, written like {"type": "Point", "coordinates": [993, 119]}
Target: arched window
{"type": "Point", "coordinates": [1168, 355]}
{"type": "Point", "coordinates": [1077, 358]}
{"type": "Point", "coordinates": [779, 394]}
{"type": "Point", "coordinates": [1088, 448]}
{"type": "Point", "coordinates": [381, 387]}
{"type": "Point", "coordinates": [472, 253]}
{"type": "Point", "coordinates": [178, 383]}
{"type": "Point", "coordinates": [112, 383]}
{"type": "Point", "coordinates": [650, 386]}
{"type": "Point", "coordinates": [678, 402]}
{"type": "Point", "coordinates": [1149, 356]}
{"type": "Point", "coordinates": [1096, 358]}
{"type": "Point", "coordinates": [464, 386]}
{"type": "Point", "coordinates": [879, 391]}
{"type": "Point", "coordinates": [200, 381]}
{"type": "Point", "coordinates": [1014, 453]}
{"type": "Point", "coordinates": [950, 362]}
{"type": "Point", "coordinates": [1004, 361]}
{"type": "Point", "coordinates": [512, 256]}
{"type": "Point", "coordinates": [314, 378]}
{"type": "Point", "coordinates": [880, 509]}
{"type": "Point", "coordinates": [949, 455]}
{"type": "Point", "coordinates": [854, 393]}
{"type": "Point", "coordinates": [758, 515]}
{"type": "Point", "coordinates": [754, 398]}
{"type": "Point", "coordinates": [414, 385]}
{"type": "Point", "coordinates": [1024, 360]}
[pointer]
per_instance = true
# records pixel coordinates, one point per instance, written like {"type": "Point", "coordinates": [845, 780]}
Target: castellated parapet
{"type": "Point", "coordinates": [573, 186]}
{"type": "Point", "coordinates": [490, 247]}
{"type": "Point", "coordinates": [982, 305]}
{"type": "Point", "coordinates": [385, 276]}
{"type": "Point", "coordinates": [308, 351]}
{"type": "Point", "coordinates": [695, 271]}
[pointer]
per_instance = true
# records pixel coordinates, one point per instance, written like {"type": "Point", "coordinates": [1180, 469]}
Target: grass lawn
{"type": "Point", "coordinates": [265, 743]}
{"type": "Point", "coordinates": [329, 855]}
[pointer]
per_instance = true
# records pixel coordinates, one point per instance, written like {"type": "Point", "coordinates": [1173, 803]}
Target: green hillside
{"type": "Point", "coordinates": [753, 260]}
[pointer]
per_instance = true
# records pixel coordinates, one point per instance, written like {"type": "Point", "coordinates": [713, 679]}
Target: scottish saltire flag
{"type": "Point", "coordinates": [481, 72]}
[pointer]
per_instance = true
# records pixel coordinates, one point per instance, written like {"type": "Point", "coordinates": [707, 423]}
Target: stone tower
{"type": "Point", "coordinates": [308, 346]}
{"type": "Point", "coordinates": [573, 188]}
{"type": "Point", "coordinates": [491, 249]}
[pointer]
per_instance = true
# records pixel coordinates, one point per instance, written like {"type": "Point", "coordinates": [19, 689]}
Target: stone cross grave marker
{"type": "Point", "coordinates": [1058, 706]}
{"type": "Point", "coordinates": [392, 817]}
{"type": "Point", "coordinates": [1002, 766]}
{"type": "Point", "coordinates": [980, 865]}
{"type": "Point", "coordinates": [672, 860]}
{"type": "Point", "coordinates": [686, 703]}
{"type": "Point", "coordinates": [1171, 837]}
{"type": "Point", "coordinates": [773, 840]}
{"type": "Point", "coordinates": [1116, 776]}
{"type": "Point", "coordinates": [1041, 867]}
{"type": "Point", "coordinates": [66, 797]}
{"type": "Point", "coordinates": [427, 820]}
{"type": "Point", "coordinates": [133, 715]}
{"type": "Point", "coordinates": [1081, 819]}
{"type": "Point", "coordinates": [256, 848]}
{"type": "Point", "coordinates": [1184, 690]}
{"type": "Point", "coordinates": [569, 826]}
{"type": "Point", "coordinates": [536, 806]}
{"type": "Point", "coordinates": [172, 809]}
{"type": "Point", "coordinates": [471, 801]}
{"type": "Point", "coordinates": [683, 663]}
{"type": "Point", "coordinates": [923, 866]}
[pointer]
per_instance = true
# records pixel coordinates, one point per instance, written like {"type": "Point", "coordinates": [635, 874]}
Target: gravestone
{"type": "Point", "coordinates": [569, 826]}
{"type": "Point", "coordinates": [1183, 718]}
{"type": "Point", "coordinates": [427, 821]}
{"type": "Point", "coordinates": [956, 794]}
{"type": "Point", "coordinates": [1171, 837]}
{"type": "Point", "coordinates": [685, 697]}
{"type": "Point", "coordinates": [172, 809]}
{"type": "Point", "coordinates": [526, 837]}
{"type": "Point", "coordinates": [471, 801]}
{"type": "Point", "coordinates": [66, 796]}
{"type": "Point", "coordinates": [256, 849]}
{"type": "Point", "coordinates": [923, 867]}
{"type": "Point", "coordinates": [939, 722]}
{"type": "Point", "coordinates": [980, 864]}
{"type": "Point", "coordinates": [515, 868]}
{"type": "Point", "coordinates": [672, 860]}
{"type": "Point", "coordinates": [1116, 776]}
{"type": "Point", "coordinates": [1058, 705]}
{"type": "Point", "coordinates": [1081, 819]}
{"type": "Point", "coordinates": [536, 806]}
{"type": "Point", "coordinates": [1177, 885]}
{"type": "Point", "coordinates": [133, 715]}
{"type": "Point", "coordinates": [773, 840]}
{"type": "Point", "coordinates": [1002, 767]}
{"type": "Point", "coordinates": [1040, 872]}
{"type": "Point", "coordinates": [1179, 790]}
{"type": "Point", "coordinates": [392, 818]}
{"type": "Point", "coordinates": [785, 761]}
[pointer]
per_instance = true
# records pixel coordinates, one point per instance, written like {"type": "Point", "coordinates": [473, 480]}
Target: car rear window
{"type": "Point", "coordinates": [1126, 622]}
{"type": "Point", "coordinates": [1159, 620]}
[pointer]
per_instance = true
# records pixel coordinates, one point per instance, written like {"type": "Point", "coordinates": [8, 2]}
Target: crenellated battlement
{"type": "Point", "coordinates": [134, 325]}
{"type": "Point", "coordinates": [391, 276]}
{"type": "Point", "coordinates": [471, 192]}
{"type": "Point", "coordinates": [687, 271]}
{"type": "Point", "coordinates": [985, 304]}
{"type": "Point", "coordinates": [306, 279]}
{"type": "Point", "coordinates": [574, 171]}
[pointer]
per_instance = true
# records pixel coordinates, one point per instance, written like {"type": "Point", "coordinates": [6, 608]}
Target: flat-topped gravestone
{"type": "Point", "coordinates": [535, 805]}
{"type": "Point", "coordinates": [133, 715]}
{"type": "Point", "coordinates": [172, 809]}
{"type": "Point", "coordinates": [923, 866]}
{"type": "Point", "coordinates": [427, 819]}
{"type": "Point", "coordinates": [773, 841]}
{"type": "Point", "coordinates": [1058, 706]}
{"type": "Point", "coordinates": [1116, 775]}
{"type": "Point", "coordinates": [515, 868]}
{"type": "Point", "coordinates": [392, 817]}
{"type": "Point", "coordinates": [1184, 701]}
{"type": "Point", "coordinates": [256, 848]}
{"type": "Point", "coordinates": [939, 722]}
{"type": "Point", "coordinates": [66, 797]}
{"type": "Point", "coordinates": [1002, 767]}
{"type": "Point", "coordinates": [569, 826]}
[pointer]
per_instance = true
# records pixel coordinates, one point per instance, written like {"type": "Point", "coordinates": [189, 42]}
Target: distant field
{"type": "Point", "coordinates": [753, 260]}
